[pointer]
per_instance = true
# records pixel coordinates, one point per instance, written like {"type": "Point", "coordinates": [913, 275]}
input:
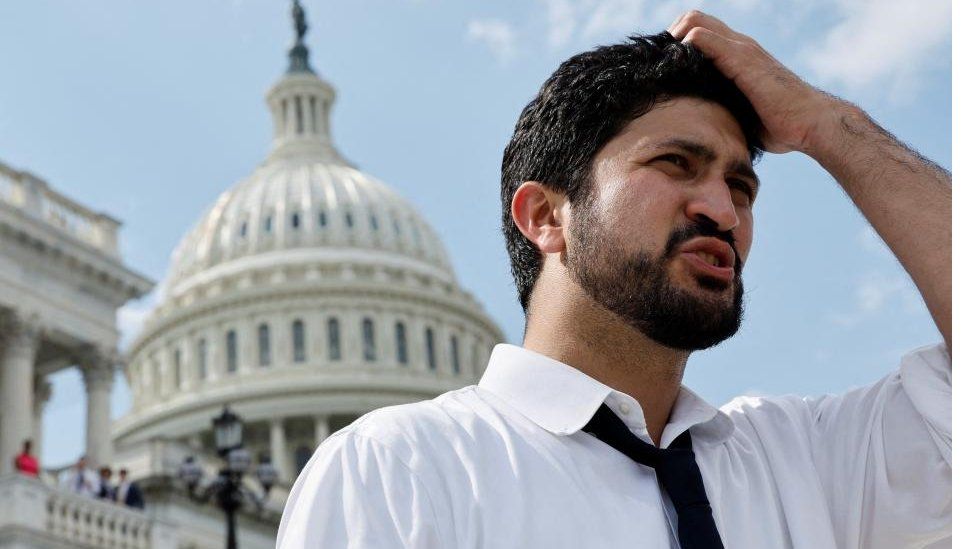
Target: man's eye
{"type": "Point", "coordinates": [675, 159]}
{"type": "Point", "coordinates": [739, 185]}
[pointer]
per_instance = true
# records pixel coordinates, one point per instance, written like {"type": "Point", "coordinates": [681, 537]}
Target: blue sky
{"type": "Point", "coordinates": [147, 111]}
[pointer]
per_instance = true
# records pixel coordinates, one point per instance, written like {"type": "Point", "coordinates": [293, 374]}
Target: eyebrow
{"type": "Point", "coordinates": [707, 154]}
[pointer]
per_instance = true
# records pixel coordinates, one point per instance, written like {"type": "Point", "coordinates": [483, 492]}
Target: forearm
{"type": "Point", "coordinates": [905, 197]}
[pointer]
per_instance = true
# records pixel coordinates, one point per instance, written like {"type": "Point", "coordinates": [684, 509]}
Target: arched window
{"type": "Point", "coordinates": [302, 454]}
{"type": "Point", "coordinates": [349, 219]}
{"type": "Point", "coordinates": [231, 351]}
{"type": "Point", "coordinates": [369, 341]}
{"type": "Point", "coordinates": [268, 222]}
{"type": "Point", "coordinates": [296, 220]}
{"type": "Point", "coordinates": [335, 346]}
{"type": "Point", "coordinates": [202, 357]}
{"type": "Point", "coordinates": [323, 219]}
{"type": "Point", "coordinates": [431, 356]}
{"type": "Point", "coordinates": [455, 358]}
{"type": "Point", "coordinates": [244, 229]}
{"type": "Point", "coordinates": [401, 343]}
{"type": "Point", "coordinates": [298, 340]}
{"type": "Point", "coordinates": [157, 373]}
{"type": "Point", "coordinates": [264, 345]}
{"type": "Point", "coordinates": [177, 368]}
{"type": "Point", "coordinates": [373, 222]}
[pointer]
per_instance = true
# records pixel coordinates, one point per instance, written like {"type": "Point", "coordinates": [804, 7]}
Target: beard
{"type": "Point", "coordinates": [637, 287]}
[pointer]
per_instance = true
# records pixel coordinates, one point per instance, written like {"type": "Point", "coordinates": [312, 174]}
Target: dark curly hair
{"type": "Point", "coordinates": [590, 98]}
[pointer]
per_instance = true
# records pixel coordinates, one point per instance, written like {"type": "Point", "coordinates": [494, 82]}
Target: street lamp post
{"type": "Point", "coordinates": [228, 489]}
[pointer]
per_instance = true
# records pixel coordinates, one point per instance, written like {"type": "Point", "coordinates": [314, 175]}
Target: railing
{"type": "Point", "coordinates": [96, 523]}
{"type": "Point", "coordinates": [44, 513]}
{"type": "Point", "coordinates": [35, 198]}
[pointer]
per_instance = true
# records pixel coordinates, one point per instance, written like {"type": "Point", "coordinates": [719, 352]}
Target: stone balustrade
{"type": "Point", "coordinates": [35, 198]}
{"type": "Point", "coordinates": [34, 514]}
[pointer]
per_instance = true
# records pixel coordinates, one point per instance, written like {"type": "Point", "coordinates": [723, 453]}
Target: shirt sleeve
{"type": "Point", "coordinates": [356, 493]}
{"type": "Point", "coordinates": [884, 455]}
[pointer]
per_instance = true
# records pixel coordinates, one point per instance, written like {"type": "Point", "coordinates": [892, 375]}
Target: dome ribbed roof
{"type": "Point", "coordinates": [305, 196]}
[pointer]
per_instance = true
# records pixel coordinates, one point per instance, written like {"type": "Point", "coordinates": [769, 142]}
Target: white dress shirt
{"type": "Point", "coordinates": [504, 464]}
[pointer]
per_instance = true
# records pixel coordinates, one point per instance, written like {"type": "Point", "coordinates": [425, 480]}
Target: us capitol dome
{"type": "Point", "coordinates": [309, 294]}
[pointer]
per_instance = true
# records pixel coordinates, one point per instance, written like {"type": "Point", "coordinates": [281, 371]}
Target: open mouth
{"type": "Point", "coordinates": [711, 257]}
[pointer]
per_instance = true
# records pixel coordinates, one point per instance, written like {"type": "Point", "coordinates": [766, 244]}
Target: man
{"type": "Point", "coordinates": [81, 480]}
{"type": "Point", "coordinates": [627, 191]}
{"type": "Point", "coordinates": [128, 492]}
{"type": "Point", "coordinates": [25, 463]}
{"type": "Point", "coordinates": [105, 489]}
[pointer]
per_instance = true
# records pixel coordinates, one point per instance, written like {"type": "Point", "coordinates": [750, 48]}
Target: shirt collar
{"type": "Point", "coordinates": [562, 399]}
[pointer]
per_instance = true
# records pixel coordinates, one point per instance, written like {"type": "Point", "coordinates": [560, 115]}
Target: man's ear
{"type": "Point", "coordinates": [538, 214]}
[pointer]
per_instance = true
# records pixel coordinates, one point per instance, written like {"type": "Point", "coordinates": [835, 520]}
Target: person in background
{"type": "Point", "coordinates": [128, 492]}
{"type": "Point", "coordinates": [105, 488]}
{"type": "Point", "coordinates": [81, 480]}
{"type": "Point", "coordinates": [25, 463]}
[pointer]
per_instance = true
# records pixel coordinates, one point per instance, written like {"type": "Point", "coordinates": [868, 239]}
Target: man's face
{"type": "Point", "coordinates": [662, 236]}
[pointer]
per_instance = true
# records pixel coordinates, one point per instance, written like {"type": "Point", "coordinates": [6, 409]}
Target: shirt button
{"type": "Point", "coordinates": [624, 408]}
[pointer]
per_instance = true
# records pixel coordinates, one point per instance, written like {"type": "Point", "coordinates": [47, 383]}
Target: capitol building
{"type": "Point", "coordinates": [307, 295]}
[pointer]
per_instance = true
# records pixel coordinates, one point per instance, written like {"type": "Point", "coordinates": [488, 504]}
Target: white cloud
{"type": "Point", "coordinates": [880, 293]}
{"type": "Point", "coordinates": [613, 18]}
{"type": "Point", "coordinates": [497, 35]}
{"type": "Point", "coordinates": [877, 42]}
{"type": "Point", "coordinates": [131, 316]}
{"type": "Point", "coordinates": [561, 19]}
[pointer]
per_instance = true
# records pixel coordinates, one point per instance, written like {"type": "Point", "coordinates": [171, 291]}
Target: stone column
{"type": "Point", "coordinates": [42, 393]}
{"type": "Point", "coordinates": [18, 349]}
{"type": "Point", "coordinates": [279, 450]}
{"type": "Point", "coordinates": [98, 372]}
{"type": "Point", "coordinates": [321, 429]}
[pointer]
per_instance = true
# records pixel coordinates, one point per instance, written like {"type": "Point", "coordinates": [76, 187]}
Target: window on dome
{"type": "Point", "coordinates": [396, 227]}
{"type": "Point", "coordinates": [298, 340]}
{"type": "Point", "coordinates": [455, 355]}
{"type": "Point", "coordinates": [373, 222]}
{"type": "Point", "coordinates": [335, 349]}
{"type": "Point", "coordinates": [267, 223]}
{"type": "Point", "coordinates": [431, 356]}
{"type": "Point", "coordinates": [231, 351]}
{"type": "Point", "coordinates": [475, 356]}
{"type": "Point", "coordinates": [264, 345]}
{"type": "Point", "coordinates": [401, 343]}
{"type": "Point", "coordinates": [349, 219]}
{"type": "Point", "coordinates": [202, 358]}
{"type": "Point", "coordinates": [323, 220]}
{"type": "Point", "coordinates": [296, 220]}
{"type": "Point", "coordinates": [157, 374]}
{"type": "Point", "coordinates": [177, 368]}
{"type": "Point", "coordinates": [243, 229]}
{"type": "Point", "coordinates": [369, 341]}
{"type": "Point", "coordinates": [298, 115]}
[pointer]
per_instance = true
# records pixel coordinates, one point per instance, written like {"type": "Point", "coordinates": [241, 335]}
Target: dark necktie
{"type": "Point", "coordinates": [677, 471]}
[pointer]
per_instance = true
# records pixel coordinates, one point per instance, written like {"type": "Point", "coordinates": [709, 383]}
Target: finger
{"type": "Point", "coordinates": [720, 49]}
{"type": "Point", "coordinates": [696, 18]}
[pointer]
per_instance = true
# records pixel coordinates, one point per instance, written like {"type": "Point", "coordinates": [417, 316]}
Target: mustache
{"type": "Point", "coordinates": [701, 227]}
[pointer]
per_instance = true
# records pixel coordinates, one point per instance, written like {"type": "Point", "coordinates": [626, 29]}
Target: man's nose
{"type": "Point", "coordinates": [713, 200]}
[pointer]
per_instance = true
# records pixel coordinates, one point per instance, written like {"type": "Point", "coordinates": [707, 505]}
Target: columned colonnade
{"type": "Point", "coordinates": [24, 392]}
{"type": "Point", "coordinates": [282, 455]}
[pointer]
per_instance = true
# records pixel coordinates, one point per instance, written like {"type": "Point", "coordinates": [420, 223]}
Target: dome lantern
{"type": "Point", "coordinates": [301, 104]}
